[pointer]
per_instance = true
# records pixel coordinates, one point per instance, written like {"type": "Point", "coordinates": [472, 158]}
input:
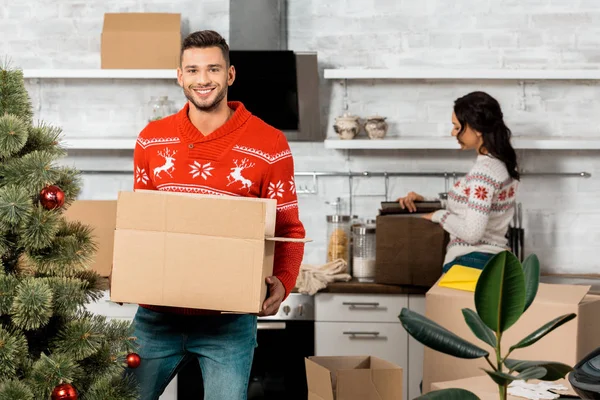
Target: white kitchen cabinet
{"type": "Point", "coordinates": [416, 303]}
{"type": "Point", "coordinates": [362, 325]}
{"type": "Point", "coordinates": [379, 339]}
{"type": "Point", "coordinates": [126, 312]}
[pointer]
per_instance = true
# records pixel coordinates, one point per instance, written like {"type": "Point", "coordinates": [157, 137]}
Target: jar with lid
{"type": "Point", "coordinates": [363, 253]}
{"type": "Point", "coordinates": [157, 108]}
{"type": "Point", "coordinates": [338, 237]}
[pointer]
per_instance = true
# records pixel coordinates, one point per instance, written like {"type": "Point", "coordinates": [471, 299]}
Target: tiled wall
{"type": "Point", "coordinates": [562, 215]}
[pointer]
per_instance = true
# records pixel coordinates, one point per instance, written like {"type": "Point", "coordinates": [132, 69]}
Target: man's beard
{"type": "Point", "coordinates": [206, 108]}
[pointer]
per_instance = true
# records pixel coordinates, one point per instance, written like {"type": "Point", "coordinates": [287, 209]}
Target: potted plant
{"type": "Point", "coordinates": [504, 291]}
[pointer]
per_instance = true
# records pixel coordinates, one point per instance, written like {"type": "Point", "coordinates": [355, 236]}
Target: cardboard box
{"type": "Point", "coordinates": [353, 378]}
{"type": "Point", "coordinates": [410, 250]}
{"type": "Point", "coordinates": [141, 41]}
{"type": "Point", "coordinates": [194, 251]}
{"type": "Point", "coordinates": [486, 389]}
{"type": "Point", "coordinates": [100, 215]}
{"type": "Point", "coordinates": [567, 344]}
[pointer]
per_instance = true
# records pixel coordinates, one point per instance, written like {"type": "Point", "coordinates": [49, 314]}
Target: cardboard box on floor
{"type": "Point", "coordinates": [486, 389]}
{"type": "Point", "coordinates": [193, 251]}
{"type": "Point", "coordinates": [567, 344]}
{"type": "Point", "coordinates": [353, 378]}
{"type": "Point", "coordinates": [100, 215]}
{"type": "Point", "coordinates": [141, 41]}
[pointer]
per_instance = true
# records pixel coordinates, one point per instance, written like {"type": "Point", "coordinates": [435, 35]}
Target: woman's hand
{"type": "Point", "coordinates": [408, 201]}
{"type": "Point", "coordinates": [427, 216]}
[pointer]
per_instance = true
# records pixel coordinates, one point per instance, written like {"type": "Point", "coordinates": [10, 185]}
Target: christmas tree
{"type": "Point", "coordinates": [50, 346]}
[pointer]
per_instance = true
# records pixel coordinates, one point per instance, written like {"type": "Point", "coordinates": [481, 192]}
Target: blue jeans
{"type": "Point", "coordinates": [475, 259]}
{"type": "Point", "coordinates": [223, 344]}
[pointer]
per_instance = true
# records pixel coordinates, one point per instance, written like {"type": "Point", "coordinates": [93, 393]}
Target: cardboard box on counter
{"type": "Point", "coordinates": [141, 41]}
{"type": "Point", "coordinates": [193, 251]}
{"type": "Point", "coordinates": [100, 215]}
{"type": "Point", "coordinates": [567, 344]}
{"type": "Point", "coordinates": [486, 389]}
{"type": "Point", "coordinates": [353, 378]}
{"type": "Point", "coordinates": [410, 250]}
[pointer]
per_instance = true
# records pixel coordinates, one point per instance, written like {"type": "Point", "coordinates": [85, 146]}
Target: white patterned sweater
{"type": "Point", "coordinates": [479, 209]}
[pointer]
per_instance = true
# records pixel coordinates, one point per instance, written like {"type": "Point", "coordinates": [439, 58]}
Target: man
{"type": "Point", "coordinates": [213, 146]}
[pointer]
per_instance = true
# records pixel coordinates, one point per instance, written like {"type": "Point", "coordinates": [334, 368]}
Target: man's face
{"type": "Point", "coordinates": [204, 77]}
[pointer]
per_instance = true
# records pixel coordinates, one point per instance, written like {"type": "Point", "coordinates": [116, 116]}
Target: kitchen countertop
{"type": "Point", "coordinates": [354, 286]}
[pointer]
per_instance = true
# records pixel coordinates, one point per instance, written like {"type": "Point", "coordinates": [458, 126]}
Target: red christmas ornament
{"type": "Point", "coordinates": [52, 197]}
{"type": "Point", "coordinates": [133, 360]}
{"type": "Point", "coordinates": [64, 391]}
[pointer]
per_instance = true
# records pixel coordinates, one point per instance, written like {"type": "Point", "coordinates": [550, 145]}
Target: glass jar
{"type": "Point", "coordinates": [363, 250]}
{"type": "Point", "coordinates": [158, 108]}
{"type": "Point", "coordinates": [338, 238]}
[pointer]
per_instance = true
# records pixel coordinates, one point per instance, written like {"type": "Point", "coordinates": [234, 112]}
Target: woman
{"type": "Point", "coordinates": [480, 206]}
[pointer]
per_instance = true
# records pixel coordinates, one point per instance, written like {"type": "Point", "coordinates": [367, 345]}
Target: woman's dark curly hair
{"type": "Point", "coordinates": [482, 113]}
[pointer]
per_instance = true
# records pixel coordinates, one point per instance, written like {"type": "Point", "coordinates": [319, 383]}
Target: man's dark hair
{"type": "Point", "coordinates": [204, 39]}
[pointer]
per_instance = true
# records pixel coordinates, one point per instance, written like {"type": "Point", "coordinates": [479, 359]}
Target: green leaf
{"type": "Point", "coordinates": [500, 292]}
{"type": "Point", "coordinates": [543, 331]}
{"type": "Point", "coordinates": [532, 373]}
{"type": "Point", "coordinates": [478, 327]}
{"type": "Point", "coordinates": [438, 338]}
{"type": "Point", "coordinates": [531, 269]}
{"type": "Point", "coordinates": [501, 378]}
{"type": "Point", "coordinates": [554, 370]}
{"type": "Point", "coordinates": [449, 394]}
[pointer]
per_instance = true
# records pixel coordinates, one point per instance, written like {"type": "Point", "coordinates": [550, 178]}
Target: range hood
{"type": "Point", "coordinates": [257, 32]}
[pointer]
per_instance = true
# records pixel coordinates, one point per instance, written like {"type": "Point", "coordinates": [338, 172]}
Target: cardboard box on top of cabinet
{"type": "Point", "coordinates": [410, 250]}
{"type": "Point", "coordinates": [141, 41]}
{"type": "Point", "coordinates": [194, 251]}
{"type": "Point", "coordinates": [486, 389]}
{"type": "Point", "coordinates": [353, 378]}
{"type": "Point", "coordinates": [567, 344]}
{"type": "Point", "coordinates": [100, 215]}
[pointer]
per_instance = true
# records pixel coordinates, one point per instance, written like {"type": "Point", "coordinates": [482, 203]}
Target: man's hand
{"type": "Point", "coordinates": [276, 292]}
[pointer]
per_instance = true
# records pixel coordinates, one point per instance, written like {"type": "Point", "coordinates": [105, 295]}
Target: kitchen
{"type": "Point", "coordinates": [552, 118]}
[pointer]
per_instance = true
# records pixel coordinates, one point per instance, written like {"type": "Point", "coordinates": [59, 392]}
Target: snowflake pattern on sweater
{"type": "Point", "coordinates": [479, 209]}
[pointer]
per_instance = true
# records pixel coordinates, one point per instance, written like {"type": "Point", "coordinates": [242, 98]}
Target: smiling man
{"type": "Point", "coordinates": [212, 146]}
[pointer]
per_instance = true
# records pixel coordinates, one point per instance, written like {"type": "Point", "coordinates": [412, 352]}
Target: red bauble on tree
{"type": "Point", "coordinates": [64, 391]}
{"type": "Point", "coordinates": [52, 197]}
{"type": "Point", "coordinates": [133, 360]}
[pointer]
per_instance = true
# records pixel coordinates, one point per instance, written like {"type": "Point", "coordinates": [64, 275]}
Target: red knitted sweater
{"type": "Point", "coordinates": [244, 157]}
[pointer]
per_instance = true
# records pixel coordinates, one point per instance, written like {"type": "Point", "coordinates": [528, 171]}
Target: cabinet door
{"type": "Point", "coordinates": [359, 307]}
{"type": "Point", "coordinates": [387, 341]}
{"type": "Point", "coordinates": [416, 350]}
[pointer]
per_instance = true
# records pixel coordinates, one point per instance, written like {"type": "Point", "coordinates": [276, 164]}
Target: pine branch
{"type": "Point", "coordinates": [113, 388]}
{"type": "Point", "coordinates": [8, 286]}
{"type": "Point", "coordinates": [3, 243]}
{"type": "Point", "coordinates": [94, 288]}
{"type": "Point", "coordinates": [13, 346]}
{"type": "Point", "coordinates": [71, 251]}
{"type": "Point", "coordinates": [44, 137]}
{"type": "Point", "coordinates": [15, 390]}
{"type": "Point", "coordinates": [14, 98]}
{"type": "Point", "coordinates": [33, 171]}
{"type": "Point", "coordinates": [79, 339]}
{"type": "Point", "coordinates": [13, 135]}
{"type": "Point", "coordinates": [32, 306]}
{"type": "Point", "coordinates": [50, 371]}
{"type": "Point", "coordinates": [40, 228]}
{"type": "Point", "coordinates": [15, 206]}
{"type": "Point", "coordinates": [70, 183]}
{"type": "Point", "coordinates": [69, 295]}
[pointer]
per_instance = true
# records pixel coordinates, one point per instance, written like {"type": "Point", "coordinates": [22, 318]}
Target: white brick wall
{"type": "Point", "coordinates": [562, 221]}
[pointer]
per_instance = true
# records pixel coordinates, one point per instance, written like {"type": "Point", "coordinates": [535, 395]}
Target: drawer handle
{"type": "Point", "coordinates": [357, 333]}
{"type": "Point", "coordinates": [354, 305]}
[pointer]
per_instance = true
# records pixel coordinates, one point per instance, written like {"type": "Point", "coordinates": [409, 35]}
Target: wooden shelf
{"type": "Point", "coordinates": [433, 143]}
{"type": "Point", "coordinates": [100, 73]}
{"type": "Point", "coordinates": [99, 144]}
{"type": "Point", "coordinates": [469, 74]}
